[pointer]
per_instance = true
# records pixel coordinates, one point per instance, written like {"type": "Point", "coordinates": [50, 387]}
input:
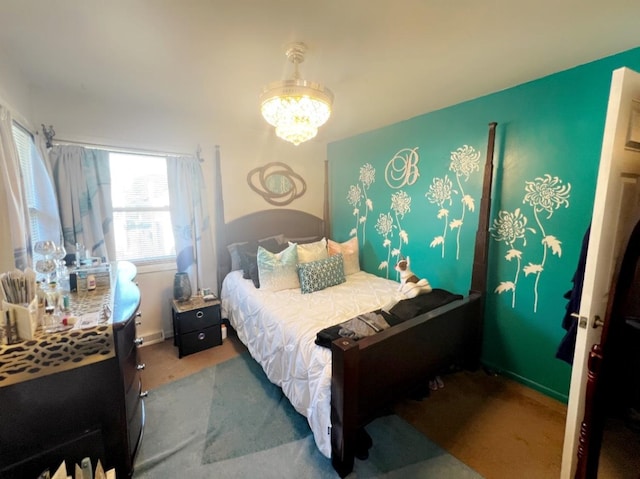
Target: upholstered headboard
{"type": "Point", "coordinates": [262, 224]}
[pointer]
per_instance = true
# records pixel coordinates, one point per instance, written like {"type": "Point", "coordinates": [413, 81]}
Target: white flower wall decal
{"type": "Point", "coordinates": [464, 161]}
{"type": "Point", "coordinates": [544, 194]}
{"type": "Point", "coordinates": [509, 227]}
{"type": "Point", "coordinates": [439, 193]}
{"type": "Point", "coordinates": [355, 196]}
{"type": "Point", "coordinates": [385, 227]}
{"type": "Point", "coordinates": [401, 205]}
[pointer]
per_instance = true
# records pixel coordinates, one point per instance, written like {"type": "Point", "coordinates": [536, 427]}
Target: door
{"type": "Point", "coordinates": [616, 206]}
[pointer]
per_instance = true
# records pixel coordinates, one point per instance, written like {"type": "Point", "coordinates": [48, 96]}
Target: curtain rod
{"type": "Point", "coordinates": [117, 149]}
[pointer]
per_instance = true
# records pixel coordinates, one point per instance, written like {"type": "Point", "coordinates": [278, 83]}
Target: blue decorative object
{"type": "Point", "coordinates": [181, 287]}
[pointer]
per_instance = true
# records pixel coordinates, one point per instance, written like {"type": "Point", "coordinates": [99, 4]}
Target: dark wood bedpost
{"type": "Point", "coordinates": [479, 272]}
{"type": "Point", "coordinates": [326, 211]}
{"type": "Point", "coordinates": [344, 404]}
{"type": "Point", "coordinates": [219, 217]}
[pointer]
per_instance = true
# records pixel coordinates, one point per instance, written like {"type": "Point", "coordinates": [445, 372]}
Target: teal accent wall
{"type": "Point", "coordinates": [546, 159]}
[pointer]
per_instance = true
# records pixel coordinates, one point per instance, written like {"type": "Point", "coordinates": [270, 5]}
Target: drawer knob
{"type": "Point", "coordinates": [138, 314]}
{"type": "Point", "coordinates": [140, 367]}
{"type": "Point", "coordinates": [199, 314]}
{"type": "Point", "coordinates": [138, 323]}
{"type": "Point", "coordinates": [138, 341]}
{"type": "Point", "coordinates": [144, 394]}
{"type": "Point", "coordinates": [201, 336]}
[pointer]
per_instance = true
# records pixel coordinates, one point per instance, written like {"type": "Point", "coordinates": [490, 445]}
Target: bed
{"type": "Point", "coordinates": [340, 390]}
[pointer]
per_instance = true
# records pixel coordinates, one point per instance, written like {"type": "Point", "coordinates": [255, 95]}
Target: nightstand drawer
{"type": "Point", "coordinates": [199, 340]}
{"type": "Point", "coordinates": [198, 319]}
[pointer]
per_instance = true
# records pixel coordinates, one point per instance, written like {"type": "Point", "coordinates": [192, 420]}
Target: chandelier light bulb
{"type": "Point", "coordinates": [296, 107]}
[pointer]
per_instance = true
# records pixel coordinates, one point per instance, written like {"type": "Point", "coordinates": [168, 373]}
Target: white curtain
{"type": "Point", "coordinates": [17, 209]}
{"type": "Point", "coordinates": [45, 196]}
{"type": "Point", "coordinates": [191, 222]}
{"type": "Point", "coordinates": [83, 183]}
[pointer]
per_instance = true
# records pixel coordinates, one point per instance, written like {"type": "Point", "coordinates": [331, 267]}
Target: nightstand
{"type": "Point", "coordinates": [196, 325]}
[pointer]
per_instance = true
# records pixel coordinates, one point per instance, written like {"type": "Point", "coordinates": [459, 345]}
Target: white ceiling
{"type": "Point", "coordinates": [385, 60]}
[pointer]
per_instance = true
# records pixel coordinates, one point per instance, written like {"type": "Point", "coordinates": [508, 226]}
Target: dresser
{"type": "Point", "coordinates": [89, 405]}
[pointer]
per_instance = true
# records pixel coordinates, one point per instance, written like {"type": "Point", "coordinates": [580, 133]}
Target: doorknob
{"type": "Point", "coordinates": [597, 322]}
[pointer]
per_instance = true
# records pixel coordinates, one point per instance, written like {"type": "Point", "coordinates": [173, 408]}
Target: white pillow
{"type": "Point", "coordinates": [277, 271]}
{"type": "Point", "coordinates": [350, 254]}
{"type": "Point", "coordinates": [311, 251]}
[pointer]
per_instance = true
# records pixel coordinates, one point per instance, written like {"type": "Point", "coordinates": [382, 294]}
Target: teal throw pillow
{"type": "Point", "coordinates": [277, 271]}
{"type": "Point", "coordinates": [320, 274]}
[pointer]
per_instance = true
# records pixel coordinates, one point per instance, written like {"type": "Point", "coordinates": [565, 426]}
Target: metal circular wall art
{"type": "Point", "coordinates": [277, 183]}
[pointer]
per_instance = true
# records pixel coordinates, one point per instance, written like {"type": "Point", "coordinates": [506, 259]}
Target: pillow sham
{"type": "Point", "coordinates": [277, 271]}
{"type": "Point", "coordinates": [320, 274]}
{"type": "Point", "coordinates": [248, 253]}
{"type": "Point", "coordinates": [350, 252]}
{"type": "Point", "coordinates": [312, 251]}
{"type": "Point", "coordinates": [304, 239]}
{"type": "Point", "coordinates": [248, 263]}
{"type": "Point", "coordinates": [235, 251]}
{"type": "Point", "coordinates": [279, 238]}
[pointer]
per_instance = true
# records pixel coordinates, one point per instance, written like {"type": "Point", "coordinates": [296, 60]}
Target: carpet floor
{"type": "Point", "coordinates": [498, 427]}
{"type": "Point", "coordinates": [229, 421]}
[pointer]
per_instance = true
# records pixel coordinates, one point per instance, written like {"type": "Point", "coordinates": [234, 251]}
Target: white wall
{"type": "Point", "coordinates": [80, 116]}
{"type": "Point", "coordinates": [14, 91]}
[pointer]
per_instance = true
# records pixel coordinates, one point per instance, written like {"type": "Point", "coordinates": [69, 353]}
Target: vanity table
{"type": "Point", "coordinates": [76, 393]}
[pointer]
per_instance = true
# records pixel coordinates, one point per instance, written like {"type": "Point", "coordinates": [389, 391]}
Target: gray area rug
{"type": "Point", "coordinates": [229, 421]}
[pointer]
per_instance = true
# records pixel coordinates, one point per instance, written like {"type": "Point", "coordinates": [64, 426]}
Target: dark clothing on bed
{"type": "Point", "coordinates": [356, 328]}
{"type": "Point", "coordinates": [410, 308]}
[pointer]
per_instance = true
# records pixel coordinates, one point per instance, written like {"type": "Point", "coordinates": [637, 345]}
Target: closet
{"type": "Point", "coordinates": [616, 413]}
{"type": "Point", "coordinates": [601, 378]}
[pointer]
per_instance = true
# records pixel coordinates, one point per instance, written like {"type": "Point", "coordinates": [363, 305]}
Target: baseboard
{"type": "Point", "coordinates": [564, 398]}
{"type": "Point", "coordinates": [152, 338]}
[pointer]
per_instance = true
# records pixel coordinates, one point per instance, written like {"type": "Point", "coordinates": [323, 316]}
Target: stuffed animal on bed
{"type": "Point", "coordinates": [410, 285]}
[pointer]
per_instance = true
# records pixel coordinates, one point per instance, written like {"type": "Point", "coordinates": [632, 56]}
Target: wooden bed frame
{"type": "Point", "coordinates": [369, 375]}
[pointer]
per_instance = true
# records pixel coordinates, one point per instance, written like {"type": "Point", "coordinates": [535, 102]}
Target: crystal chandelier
{"type": "Point", "coordinates": [296, 107]}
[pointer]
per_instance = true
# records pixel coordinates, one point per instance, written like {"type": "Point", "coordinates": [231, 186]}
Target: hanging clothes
{"type": "Point", "coordinates": [570, 323]}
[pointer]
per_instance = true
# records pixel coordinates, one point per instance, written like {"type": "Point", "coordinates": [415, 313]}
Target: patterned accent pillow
{"type": "Point", "coordinates": [277, 271]}
{"type": "Point", "coordinates": [312, 251]}
{"type": "Point", "coordinates": [320, 274]}
{"type": "Point", "coordinates": [350, 252]}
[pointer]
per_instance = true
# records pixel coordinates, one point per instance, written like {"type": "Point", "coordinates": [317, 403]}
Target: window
{"type": "Point", "coordinates": [44, 223]}
{"type": "Point", "coordinates": [141, 216]}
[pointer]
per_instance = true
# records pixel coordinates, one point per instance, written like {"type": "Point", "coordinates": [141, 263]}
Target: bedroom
{"type": "Point", "coordinates": [565, 110]}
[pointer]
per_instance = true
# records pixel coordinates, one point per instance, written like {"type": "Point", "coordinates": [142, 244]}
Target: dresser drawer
{"type": "Point", "coordinates": [125, 338]}
{"type": "Point", "coordinates": [129, 367]}
{"type": "Point", "coordinates": [132, 398]}
{"type": "Point", "coordinates": [135, 427]}
{"type": "Point", "coordinates": [198, 340]}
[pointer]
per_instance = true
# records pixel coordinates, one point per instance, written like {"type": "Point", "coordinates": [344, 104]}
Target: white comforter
{"type": "Point", "coordinates": [279, 329]}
